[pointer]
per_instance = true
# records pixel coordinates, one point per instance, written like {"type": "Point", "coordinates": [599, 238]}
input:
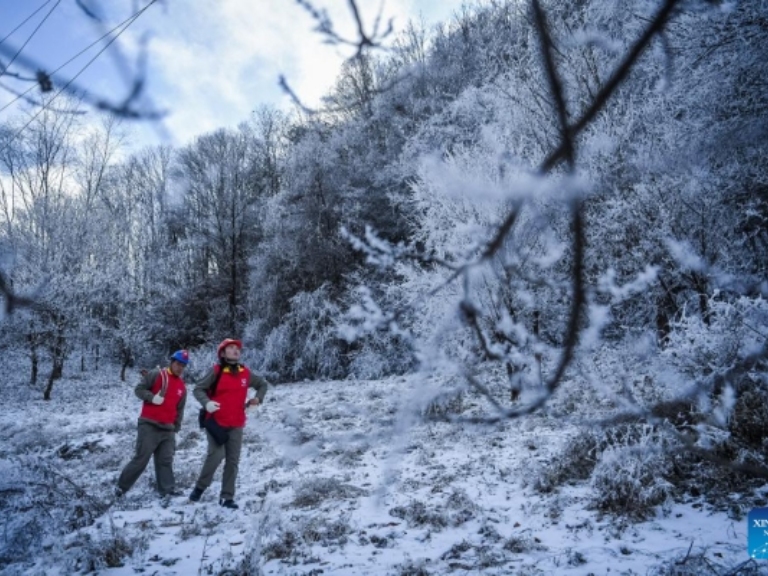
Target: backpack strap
{"type": "Point", "coordinates": [203, 415]}
{"type": "Point", "coordinates": [164, 378]}
{"type": "Point", "coordinates": [212, 390]}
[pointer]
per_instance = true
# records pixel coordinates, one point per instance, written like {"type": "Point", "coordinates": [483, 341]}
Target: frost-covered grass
{"type": "Point", "coordinates": [349, 478]}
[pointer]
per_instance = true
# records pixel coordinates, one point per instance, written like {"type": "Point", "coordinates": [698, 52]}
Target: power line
{"type": "Point", "coordinates": [130, 21]}
{"type": "Point", "coordinates": [30, 36]}
{"type": "Point", "coordinates": [84, 50]}
{"type": "Point", "coordinates": [25, 21]}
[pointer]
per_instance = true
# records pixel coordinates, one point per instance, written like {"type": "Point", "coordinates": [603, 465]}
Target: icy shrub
{"type": "Point", "coordinates": [185, 476]}
{"type": "Point", "coordinates": [575, 558]}
{"type": "Point", "coordinates": [702, 346]}
{"type": "Point", "coordinates": [749, 421]}
{"type": "Point", "coordinates": [201, 521]}
{"type": "Point", "coordinates": [715, 481]}
{"type": "Point", "coordinates": [92, 555]}
{"type": "Point", "coordinates": [305, 345]}
{"type": "Point", "coordinates": [523, 544]}
{"type": "Point", "coordinates": [69, 451]}
{"type": "Point", "coordinates": [698, 564]}
{"type": "Point", "coordinates": [352, 456]}
{"type": "Point", "coordinates": [488, 532]}
{"type": "Point", "coordinates": [374, 352]}
{"type": "Point", "coordinates": [457, 550]}
{"type": "Point", "coordinates": [325, 532]}
{"type": "Point", "coordinates": [38, 501]}
{"type": "Point", "coordinates": [742, 442]}
{"type": "Point", "coordinates": [316, 490]}
{"type": "Point", "coordinates": [628, 468]}
{"type": "Point", "coordinates": [677, 412]}
{"type": "Point", "coordinates": [19, 537]}
{"type": "Point", "coordinates": [380, 354]}
{"type": "Point", "coordinates": [473, 557]}
{"type": "Point", "coordinates": [461, 507]}
{"type": "Point", "coordinates": [382, 541]}
{"type": "Point", "coordinates": [417, 514]}
{"type": "Point", "coordinates": [575, 462]}
{"type": "Point", "coordinates": [31, 437]}
{"type": "Point", "coordinates": [286, 545]}
{"type": "Point", "coordinates": [630, 482]}
{"type": "Point", "coordinates": [190, 530]}
{"type": "Point", "coordinates": [413, 568]}
{"type": "Point", "coordinates": [445, 404]}
{"type": "Point", "coordinates": [190, 439]}
{"type": "Point", "coordinates": [489, 557]}
{"type": "Point", "coordinates": [575, 398]}
{"type": "Point", "coordinates": [106, 461]}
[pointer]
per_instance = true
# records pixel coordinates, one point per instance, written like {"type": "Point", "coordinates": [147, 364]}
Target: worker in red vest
{"type": "Point", "coordinates": [223, 392]}
{"type": "Point", "coordinates": [164, 395]}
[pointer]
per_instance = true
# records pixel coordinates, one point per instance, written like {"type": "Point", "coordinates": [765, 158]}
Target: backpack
{"type": "Point", "coordinates": [211, 391]}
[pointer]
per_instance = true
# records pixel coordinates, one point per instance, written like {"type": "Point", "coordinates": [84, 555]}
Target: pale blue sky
{"type": "Point", "coordinates": [211, 62]}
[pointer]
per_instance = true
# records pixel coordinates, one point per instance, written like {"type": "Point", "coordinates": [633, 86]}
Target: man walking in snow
{"type": "Point", "coordinates": [223, 392]}
{"type": "Point", "coordinates": [164, 395]}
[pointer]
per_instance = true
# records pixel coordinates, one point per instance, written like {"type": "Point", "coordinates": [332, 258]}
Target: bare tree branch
{"type": "Point", "coordinates": [656, 26]}
{"type": "Point", "coordinates": [555, 84]}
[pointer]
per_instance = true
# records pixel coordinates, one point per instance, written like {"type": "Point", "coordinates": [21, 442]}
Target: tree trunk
{"type": "Point", "coordinates": [56, 372]}
{"type": "Point", "coordinates": [537, 355]}
{"type": "Point", "coordinates": [701, 288]}
{"type": "Point", "coordinates": [662, 325]}
{"type": "Point", "coordinates": [34, 364]}
{"type": "Point", "coordinates": [514, 391]}
{"type": "Point", "coordinates": [58, 355]}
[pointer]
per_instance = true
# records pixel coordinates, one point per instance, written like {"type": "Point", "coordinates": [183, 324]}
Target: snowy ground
{"type": "Point", "coordinates": [336, 478]}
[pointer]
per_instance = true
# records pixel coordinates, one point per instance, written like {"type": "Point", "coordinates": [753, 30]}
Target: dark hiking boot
{"type": "Point", "coordinates": [174, 492]}
{"type": "Point", "coordinates": [119, 492]}
{"type": "Point", "coordinates": [195, 495]}
{"type": "Point", "coordinates": [229, 503]}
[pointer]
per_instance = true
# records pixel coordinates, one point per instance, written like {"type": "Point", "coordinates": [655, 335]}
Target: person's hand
{"type": "Point", "coordinates": [157, 399]}
{"type": "Point", "coordinates": [253, 402]}
{"type": "Point", "coordinates": [212, 406]}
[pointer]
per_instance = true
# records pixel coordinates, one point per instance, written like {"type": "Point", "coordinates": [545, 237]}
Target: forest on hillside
{"type": "Point", "coordinates": [516, 188]}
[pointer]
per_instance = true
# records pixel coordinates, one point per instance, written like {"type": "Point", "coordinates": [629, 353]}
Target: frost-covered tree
{"type": "Point", "coordinates": [38, 166]}
{"type": "Point", "coordinates": [135, 201]}
{"type": "Point", "coordinates": [223, 179]}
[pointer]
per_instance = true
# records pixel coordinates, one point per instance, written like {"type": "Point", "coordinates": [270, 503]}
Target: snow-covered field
{"type": "Point", "coordinates": [336, 478]}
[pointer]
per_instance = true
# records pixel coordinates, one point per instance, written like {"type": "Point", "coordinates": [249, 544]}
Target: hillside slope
{"type": "Point", "coordinates": [336, 478]}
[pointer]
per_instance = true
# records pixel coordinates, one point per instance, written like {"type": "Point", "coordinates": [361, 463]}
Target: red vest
{"type": "Point", "coordinates": [231, 392]}
{"type": "Point", "coordinates": [166, 412]}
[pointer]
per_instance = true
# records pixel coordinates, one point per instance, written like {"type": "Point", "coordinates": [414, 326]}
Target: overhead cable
{"type": "Point", "coordinates": [30, 36]}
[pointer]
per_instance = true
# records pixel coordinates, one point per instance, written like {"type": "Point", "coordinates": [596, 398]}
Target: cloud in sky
{"type": "Point", "coordinates": [213, 65]}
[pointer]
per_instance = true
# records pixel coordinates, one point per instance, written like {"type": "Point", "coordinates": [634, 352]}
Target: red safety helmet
{"type": "Point", "coordinates": [227, 342]}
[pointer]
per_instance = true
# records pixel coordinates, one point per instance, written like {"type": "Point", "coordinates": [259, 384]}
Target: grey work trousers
{"type": "Point", "coordinates": [230, 453]}
{"type": "Point", "coordinates": [151, 442]}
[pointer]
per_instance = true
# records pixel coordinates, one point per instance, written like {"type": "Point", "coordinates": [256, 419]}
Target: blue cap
{"type": "Point", "coordinates": [181, 356]}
